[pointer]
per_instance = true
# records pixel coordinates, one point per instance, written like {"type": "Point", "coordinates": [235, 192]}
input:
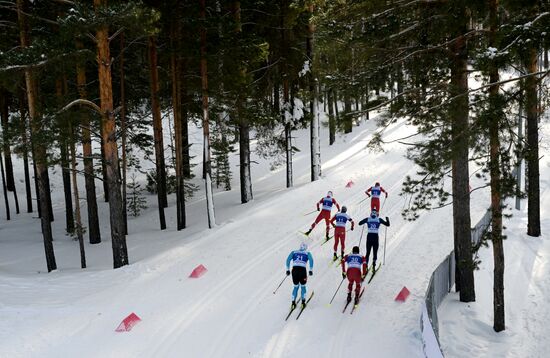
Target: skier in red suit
{"type": "Point", "coordinates": [339, 223]}
{"type": "Point", "coordinates": [356, 272]}
{"type": "Point", "coordinates": [375, 192]}
{"type": "Point", "coordinates": [327, 202]}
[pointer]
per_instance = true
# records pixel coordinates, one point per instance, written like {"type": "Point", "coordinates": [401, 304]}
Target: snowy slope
{"type": "Point", "coordinates": [231, 311]}
{"type": "Point", "coordinates": [467, 330]}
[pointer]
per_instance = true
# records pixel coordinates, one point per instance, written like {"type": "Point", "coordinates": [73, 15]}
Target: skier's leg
{"type": "Point", "coordinates": [327, 222]}
{"type": "Point", "coordinates": [375, 251]}
{"type": "Point", "coordinates": [343, 243]}
{"type": "Point", "coordinates": [369, 246]}
{"type": "Point", "coordinates": [304, 290]}
{"type": "Point", "coordinates": [317, 219]}
{"type": "Point", "coordinates": [295, 292]}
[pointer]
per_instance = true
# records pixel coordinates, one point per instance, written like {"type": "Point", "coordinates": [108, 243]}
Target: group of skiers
{"type": "Point", "coordinates": [357, 265]}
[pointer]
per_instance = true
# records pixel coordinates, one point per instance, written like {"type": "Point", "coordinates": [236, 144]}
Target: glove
{"type": "Point", "coordinates": [386, 195]}
{"type": "Point", "coordinates": [352, 228]}
{"type": "Point", "coordinates": [343, 275]}
{"type": "Point", "coordinates": [310, 273]}
{"type": "Point", "coordinates": [368, 195]}
{"type": "Point", "coordinates": [287, 272]}
{"type": "Point", "coordinates": [363, 277]}
{"type": "Point", "coordinates": [318, 209]}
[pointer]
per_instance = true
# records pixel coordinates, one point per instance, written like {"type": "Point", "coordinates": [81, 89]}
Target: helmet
{"type": "Point", "coordinates": [377, 184]}
{"type": "Point", "coordinates": [344, 209]}
{"type": "Point", "coordinates": [373, 214]}
{"type": "Point", "coordinates": [329, 193]}
{"type": "Point", "coordinates": [303, 246]}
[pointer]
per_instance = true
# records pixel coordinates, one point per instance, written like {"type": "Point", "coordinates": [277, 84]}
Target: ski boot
{"type": "Point", "coordinates": [348, 300]}
{"type": "Point", "coordinates": [327, 237]}
{"type": "Point", "coordinates": [356, 299]}
{"type": "Point", "coordinates": [374, 267]}
{"type": "Point", "coordinates": [293, 305]}
{"type": "Point", "coordinates": [308, 232]}
{"type": "Point", "coordinates": [342, 254]}
{"type": "Point", "coordinates": [334, 257]}
{"type": "Point", "coordinates": [303, 302]}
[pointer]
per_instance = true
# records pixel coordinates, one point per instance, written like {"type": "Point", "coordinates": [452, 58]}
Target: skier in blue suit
{"type": "Point", "coordinates": [300, 259]}
{"type": "Point", "coordinates": [373, 225]}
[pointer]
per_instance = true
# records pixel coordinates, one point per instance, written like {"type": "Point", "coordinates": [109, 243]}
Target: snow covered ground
{"type": "Point", "coordinates": [231, 311]}
{"type": "Point", "coordinates": [467, 329]}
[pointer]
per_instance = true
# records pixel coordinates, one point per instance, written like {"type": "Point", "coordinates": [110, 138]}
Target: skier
{"type": "Point", "coordinates": [375, 191]}
{"type": "Point", "coordinates": [341, 219]}
{"type": "Point", "coordinates": [356, 272]}
{"type": "Point", "coordinates": [327, 203]}
{"type": "Point", "coordinates": [299, 259]}
{"type": "Point", "coordinates": [373, 224]}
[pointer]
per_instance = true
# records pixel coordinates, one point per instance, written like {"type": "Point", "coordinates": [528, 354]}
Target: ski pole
{"type": "Point", "coordinates": [280, 284]}
{"type": "Point", "coordinates": [311, 212]}
{"type": "Point", "coordinates": [385, 236]}
{"type": "Point", "coordinates": [362, 201]}
{"type": "Point", "coordinates": [384, 203]}
{"type": "Point", "coordinates": [338, 289]}
{"type": "Point", "coordinates": [361, 237]}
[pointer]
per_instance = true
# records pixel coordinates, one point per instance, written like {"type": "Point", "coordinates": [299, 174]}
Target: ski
{"type": "Point", "coordinates": [289, 313]}
{"type": "Point", "coordinates": [303, 307]}
{"type": "Point", "coordinates": [337, 261]}
{"type": "Point", "coordinates": [346, 306]}
{"type": "Point", "coordinates": [374, 272]}
{"type": "Point", "coordinates": [355, 305]}
{"type": "Point", "coordinates": [326, 240]}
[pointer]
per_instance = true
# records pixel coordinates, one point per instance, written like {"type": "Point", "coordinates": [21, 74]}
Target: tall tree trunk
{"type": "Point", "coordinates": [532, 150]}
{"type": "Point", "coordinates": [348, 122]}
{"type": "Point", "coordinates": [120, 252]}
{"type": "Point", "coordinates": [175, 41]}
{"type": "Point", "coordinates": [459, 113]}
{"type": "Point", "coordinates": [94, 233]}
{"type": "Point", "coordinates": [123, 135]}
{"type": "Point", "coordinates": [496, 116]}
{"type": "Point", "coordinates": [287, 110]}
{"type": "Point", "coordinates": [315, 144]}
{"type": "Point", "coordinates": [331, 118]}
{"type": "Point", "coordinates": [157, 132]}
{"type": "Point", "coordinates": [10, 181]}
{"type": "Point", "coordinates": [243, 124]}
{"type": "Point", "coordinates": [5, 189]}
{"type": "Point", "coordinates": [64, 157]}
{"type": "Point", "coordinates": [79, 231]}
{"type": "Point", "coordinates": [205, 121]}
{"type": "Point", "coordinates": [335, 100]}
{"type": "Point", "coordinates": [24, 141]}
{"type": "Point", "coordinates": [40, 156]}
{"type": "Point", "coordinates": [4, 109]}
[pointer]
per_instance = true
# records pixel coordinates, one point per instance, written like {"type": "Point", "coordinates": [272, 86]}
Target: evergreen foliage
{"type": "Point", "coordinates": [136, 202]}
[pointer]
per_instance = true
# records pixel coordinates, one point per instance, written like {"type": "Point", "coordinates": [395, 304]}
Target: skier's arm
{"type": "Point", "coordinates": [335, 203]}
{"type": "Point", "coordinates": [385, 222]}
{"type": "Point", "coordinates": [364, 266]}
{"type": "Point", "coordinates": [332, 221]}
{"type": "Point", "coordinates": [310, 260]}
{"type": "Point", "coordinates": [383, 191]}
{"type": "Point", "coordinates": [352, 223]}
{"type": "Point", "coordinates": [288, 259]}
{"type": "Point", "coordinates": [319, 202]}
{"type": "Point", "coordinates": [344, 263]}
{"type": "Point", "coordinates": [368, 191]}
{"type": "Point", "coordinates": [364, 221]}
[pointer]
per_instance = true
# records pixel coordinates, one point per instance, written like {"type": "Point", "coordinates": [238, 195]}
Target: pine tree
{"type": "Point", "coordinates": [136, 201]}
